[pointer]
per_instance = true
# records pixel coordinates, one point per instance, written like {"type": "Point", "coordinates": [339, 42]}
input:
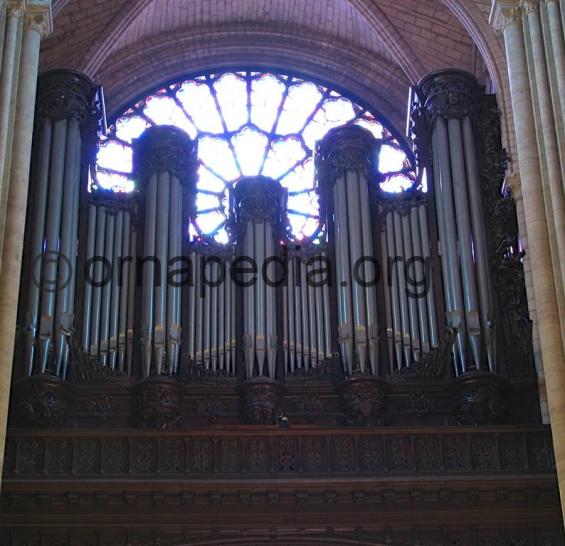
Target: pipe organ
{"type": "Point", "coordinates": [164, 159]}
{"type": "Point", "coordinates": [307, 327]}
{"type": "Point", "coordinates": [108, 301]}
{"type": "Point", "coordinates": [448, 110]}
{"type": "Point", "coordinates": [258, 208]}
{"type": "Point", "coordinates": [409, 295]}
{"type": "Point", "coordinates": [211, 338]}
{"type": "Point", "coordinates": [63, 124]}
{"type": "Point", "coordinates": [372, 296]}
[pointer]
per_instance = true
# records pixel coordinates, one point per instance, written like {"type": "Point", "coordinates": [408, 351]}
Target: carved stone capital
{"type": "Point", "coordinates": [448, 94]}
{"type": "Point", "coordinates": [530, 6]}
{"type": "Point", "coordinates": [165, 148]}
{"type": "Point", "coordinates": [259, 199]}
{"type": "Point", "coordinates": [38, 16]}
{"type": "Point", "coordinates": [15, 8]}
{"type": "Point", "coordinates": [349, 147]}
{"type": "Point", "coordinates": [505, 13]}
{"type": "Point", "coordinates": [64, 94]}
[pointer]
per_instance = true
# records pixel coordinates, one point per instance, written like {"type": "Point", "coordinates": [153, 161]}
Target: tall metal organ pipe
{"type": "Point", "coordinates": [346, 156]}
{"type": "Point", "coordinates": [258, 205]}
{"type": "Point", "coordinates": [410, 312]}
{"type": "Point", "coordinates": [64, 126]}
{"type": "Point", "coordinates": [164, 164]}
{"type": "Point", "coordinates": [447, 102]}
{"type": "Point", "coordinates": [106, 309]}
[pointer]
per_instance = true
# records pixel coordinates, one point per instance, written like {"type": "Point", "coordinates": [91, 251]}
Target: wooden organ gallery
{"type": "Point", "coordinates": [370, 384]}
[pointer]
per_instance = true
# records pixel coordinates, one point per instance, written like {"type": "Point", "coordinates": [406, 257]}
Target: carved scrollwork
{"type": "Point", "coordinates": [41, 401]}
{"type": "Point", "coordinates": [349, 147]}
{"type": "Point", "coordinates": [165, 148]}
{"type": "Point", "coordinates": [260, 401]}
{"type": "Point", "coordinates": [364, 399]}
{"type": "Point", "coordinates": [64, 94]}
{"type": "Point", "coordinates": [259, 199]}
{"type": "Point", "coordinates": [480, 399]}
{"type": "Point", "coordinates": [449, 94]}
{"type": "Point", "coordinates": [433, 364]}
{"type": "Point", "coordinates": [159, 403]}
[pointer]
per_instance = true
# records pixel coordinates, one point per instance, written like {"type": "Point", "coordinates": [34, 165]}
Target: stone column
{"type": "Point", "coordinates": [555, 201]}
{"type": "Point", "coordinates": [37, 21]}
{"type": "Point", "coordinates": [508, 17]}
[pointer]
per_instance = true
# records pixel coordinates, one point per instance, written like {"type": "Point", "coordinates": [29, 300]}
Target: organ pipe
{"type": "Point", "coordinates": [53, 216]}
{"type": "Point", "coordinates": [164, 164]}
{"type": "Point", "coordinates": [257, 203]}
{"type": "Point", "coordinates": [107, 326]}
{"type": "Point", "coordinates": [447, 104]}
{"type": "Point", "coordinates": [409, 312]}
{"type": "Point", "coordinates": [346, 156]}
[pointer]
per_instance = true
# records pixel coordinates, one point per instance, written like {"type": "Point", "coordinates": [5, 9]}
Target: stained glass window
{"type": "Point", "coordinates": [250, 123]}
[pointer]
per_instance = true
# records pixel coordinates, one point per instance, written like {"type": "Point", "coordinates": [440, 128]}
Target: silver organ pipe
{"type": "Point", "coordinates": [412, 303]}
{"type": "Point", "coordinates": [313, 331]}
{"type": "Point", "coordinates": [387, 284]}
{"type": "Point", "coordinates": [345, 328]}
{"type": "Point", "coordinates": [418, 275]}
{"type": "Point", "coordinates": [192, 296]}
{"type": "Point", "coordinates": [211, 306]}
{"type": "Point", "coordinates": [297, 314]}
{"type": "Point", "coordinates": [409, 294]}
{"type": "Point", "coordinates": [222, 322]}
{"type": "Point", "coordinates": [351, 182]}
{"type": "Point", "coordinates": [480, 243]}
{"type": "Point", "coordinates": [52, 234]}
{"type": "Point", "coordinates": [164, 162]}
{"type": "Point", "coordinates": [162, 255]}
{"type": "Point", "coordinates": [107, 287]}
{"type": "Point", "coordinates": [116, 289]}
{"type": "Point", "coordinates": [64, 314]}
{"type": "Point", "coordinates": [257, 211]}
{"type": "Point", "coordinates": [97, 277]}
{"type": "Point", "coordinates": [272, 340]}
{"type": "Point", "coordinates": [149, 276]}
{"type": "Point", "coordinates": [448, 239]}
{"type": "Point", "coordinates": [131, 300]}
{"type": "Point", "coordinates": [49, 308]}
{"type": "Point", "coordinates": [107, 314]}
{"type": "Point", "coordinates": [426, 255]}
{"type": "Point", "coordinates": [304, 319]}
{"type": "Point", "coordinates": [346, 156]}
{"type": "Point", "coordinates": [369, 277]}
{"type": "Point", "coordinates": [290, 313]}
{"type": "Point", "coordinates": [394, 292]}
{"type": "Point", "coordinates": [259, 297]}
{"type": "Point", "coordinates": [307, 305]}
{"type": "Point", "coordinates": [401, 279]}
{"type": "Point", "coordinates": [465, 236]}
{"type": "Point", "coordinates": [124, 278]}
{"type": "Point", "coordinates": [249, 305]}
{"type": "Point", "coordinates": [36, 247]}
{"type": "Point", "coordinates": [467, 284]}
{"type": "Point", "coordinates": [199, 312]}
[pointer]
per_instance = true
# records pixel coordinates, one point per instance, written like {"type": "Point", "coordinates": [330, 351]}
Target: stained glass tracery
{"type": "Point", "coordinates": [249, 123]}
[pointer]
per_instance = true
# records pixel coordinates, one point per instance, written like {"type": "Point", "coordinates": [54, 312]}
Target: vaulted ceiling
{"type": "Point", "coordinates": [374, 48]}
